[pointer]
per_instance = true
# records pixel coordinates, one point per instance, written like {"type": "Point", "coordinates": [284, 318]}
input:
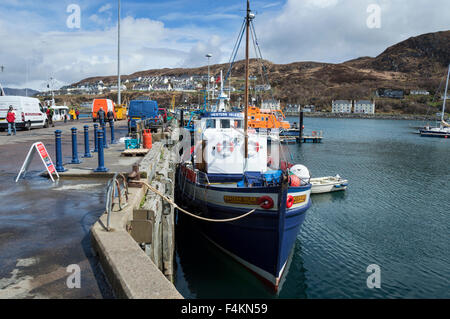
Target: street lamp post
{"type": "Point", "coordinates": [208, 56]}
{"type": "Point", "coordinates": [2, 93]}
{"type": "Point", "coordinates": [118, 55]}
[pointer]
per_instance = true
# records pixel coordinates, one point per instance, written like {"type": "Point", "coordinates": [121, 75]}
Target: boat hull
{"type": "Point", "coordinates": [262, 241]}
{"type": "Point", "coordinates": [321, 189]}
{"type": "Point", "coordinates": [435, 133]}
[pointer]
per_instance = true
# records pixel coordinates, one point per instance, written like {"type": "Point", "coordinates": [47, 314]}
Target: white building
{"type": "Point", "coordinates": [309, 109]}
{"type": "Point", "coordinates": [142, 87]}
{"type": "Point", "coordinates": [113, 88]}
{"type": "Point", "coordinates": [342, 106]}
{"type": "Point", "coordinates": [419, 92]}
{"type": "Point", "coordinates": [364, 107]}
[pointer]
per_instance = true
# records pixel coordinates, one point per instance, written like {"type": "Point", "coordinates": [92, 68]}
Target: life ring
{"type": "Point", "coordinates": [290, 201]}
{"type": "Point", "coordinates": [265, 202]}
{"type": "Point", "coordinates": [254, 148]}
{"type": "Point", "coordinates": [225, 151]}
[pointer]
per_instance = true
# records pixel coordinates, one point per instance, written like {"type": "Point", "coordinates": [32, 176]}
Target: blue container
{"type": "Point", "coordinates": [132, 144]}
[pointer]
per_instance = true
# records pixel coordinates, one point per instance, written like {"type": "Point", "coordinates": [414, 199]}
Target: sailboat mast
{"type": "Point", "coordinates": [445, 95]}
{"type": "Point", "coordinates": [247, 71]}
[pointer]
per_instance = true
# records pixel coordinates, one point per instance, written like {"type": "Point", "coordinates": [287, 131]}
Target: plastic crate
{"type": "Point", "coordinates": [132, 144]}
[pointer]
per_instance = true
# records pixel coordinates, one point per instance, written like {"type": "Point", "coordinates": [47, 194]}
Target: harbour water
{"type": "Point", "coordinates": [395, 214]}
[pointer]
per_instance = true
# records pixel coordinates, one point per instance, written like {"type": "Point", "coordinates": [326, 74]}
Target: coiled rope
{"type": "Point", "coordinates": [172, 203]}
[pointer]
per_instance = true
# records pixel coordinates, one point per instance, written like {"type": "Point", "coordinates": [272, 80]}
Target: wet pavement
{"type": "Point", "coordinates": [44, 226]}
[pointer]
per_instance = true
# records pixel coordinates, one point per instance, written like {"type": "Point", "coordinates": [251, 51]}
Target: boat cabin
{"type": "Point", "coordinates": [220, 148]}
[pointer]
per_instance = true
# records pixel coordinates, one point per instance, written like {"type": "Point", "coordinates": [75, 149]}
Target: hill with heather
{"type": "Point", "coordinates": [416, 63]}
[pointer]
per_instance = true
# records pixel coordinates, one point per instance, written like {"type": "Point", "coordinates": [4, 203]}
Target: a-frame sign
{"type": "Point", "coordinates": [42, 151]}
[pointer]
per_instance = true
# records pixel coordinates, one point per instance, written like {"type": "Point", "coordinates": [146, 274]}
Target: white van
{"type": "Point", "coordinates": [60, 112]}
{"type": "Point", "coordinates": [29, 112]}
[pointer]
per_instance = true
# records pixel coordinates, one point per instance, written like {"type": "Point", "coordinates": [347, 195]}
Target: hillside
{"type": "Point", "coordinates": [416, 63]}
{"type": "Point", "coordinates": [20, 92]}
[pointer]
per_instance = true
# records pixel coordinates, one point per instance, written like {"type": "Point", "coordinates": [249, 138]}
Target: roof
{"type": "Point", "coordinates": [342, 101]}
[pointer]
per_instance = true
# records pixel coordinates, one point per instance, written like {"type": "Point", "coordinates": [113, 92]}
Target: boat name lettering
{"type": "Point", "coordinates": [241, 200]}
{"type": "Point", "coordinates": [299, 199]}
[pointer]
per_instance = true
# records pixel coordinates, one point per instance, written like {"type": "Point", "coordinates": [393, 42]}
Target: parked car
{"type": "Point", "coordinates": [29, 112]}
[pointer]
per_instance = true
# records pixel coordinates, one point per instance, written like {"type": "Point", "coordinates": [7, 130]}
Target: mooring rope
{"type": "Point", "coordinates": [172, 203]}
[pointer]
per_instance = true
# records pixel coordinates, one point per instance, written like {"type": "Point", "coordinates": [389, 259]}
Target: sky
{"type": "Point", "coordinates": [40, 40]}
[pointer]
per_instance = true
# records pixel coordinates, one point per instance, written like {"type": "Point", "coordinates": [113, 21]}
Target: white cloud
{"type": "Point", "coordinates": [104, 8]}
{"type": "Point", "coordinates": [321, 3]}
{"type": "Point", "coordinates": [73, 55]}
{"type": "Point", "coordinates": [197, 55]}
{"type": "Point", "coordinates": [336, 30]}
{"type": "Point", "coordinates": [301, 30]}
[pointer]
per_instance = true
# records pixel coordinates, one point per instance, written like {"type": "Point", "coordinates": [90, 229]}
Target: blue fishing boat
{"type": "Point", "coordinates": [251, 205]}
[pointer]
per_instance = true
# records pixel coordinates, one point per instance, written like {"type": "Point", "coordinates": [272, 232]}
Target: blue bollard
{"type": "Point", "coordinates": [75, 159]}
{"type": "Point", "coordinates": [101, 160]}
{"type": "Point", "coordinates": [95, 138]}
{"type": "Point", "coordinates": [105, 144]}
{"type": "Point", "coordinates": [59, 165]}
{"type": "Point", "coordinates": [87, 151]}
{"type": "Point", "coordinates": [111, 125]}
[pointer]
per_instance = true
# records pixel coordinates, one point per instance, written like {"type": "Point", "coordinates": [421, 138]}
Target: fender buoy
{"type": "Point", "coordinates": [290, 201]}
{"type": "Point", "coordinates": [265, 202]}
{"type": "Point", "coordinates": [294, 181]}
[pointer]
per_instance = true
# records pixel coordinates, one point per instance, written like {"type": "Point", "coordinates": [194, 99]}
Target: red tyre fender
{"type": "Point", "coordinates": [290, 201]}
{"type": "Point", "coordinates": [265, 202]}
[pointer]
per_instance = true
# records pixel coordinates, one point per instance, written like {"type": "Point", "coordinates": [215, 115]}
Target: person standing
{"type": "Point", "coordinates": [50, 114]}
{"type": "Point", "coordinates": [101, 116]}
{"type": "Point", "coordinates": [110, 117]}
{"type": "Point", "coordinates": [77, 114]}
{"type": "Point", "coordinates": [11, 119]}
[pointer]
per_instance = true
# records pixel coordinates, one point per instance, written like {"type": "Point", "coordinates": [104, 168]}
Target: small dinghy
{"type": "Point", "coordinates": [328, 184]}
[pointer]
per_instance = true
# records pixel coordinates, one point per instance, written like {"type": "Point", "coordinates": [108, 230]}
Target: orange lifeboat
{"type": "Point", "coordinates": [266, 118]}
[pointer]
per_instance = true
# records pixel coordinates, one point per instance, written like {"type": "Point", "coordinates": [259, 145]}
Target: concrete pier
{"type": "Point", "coordinates": [136, 254]}
{"type": "Point", "coordinates": [132, 259]}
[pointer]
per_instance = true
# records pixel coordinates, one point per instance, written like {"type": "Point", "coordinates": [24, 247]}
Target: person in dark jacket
{"type": "Point", "coordinates": [110, 117]}
{"type": "Point", "coordinates": [11, 119]}
{"type": "Point", "coordinates": [101, 116]}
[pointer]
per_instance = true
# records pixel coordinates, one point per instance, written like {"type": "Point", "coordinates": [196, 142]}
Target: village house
{"type": "Point", "coordinates": [364, 107]}
{"type": "Point", "coordinates": [419, 92]}
{"type": "Point", "coordinates": [342, 106]}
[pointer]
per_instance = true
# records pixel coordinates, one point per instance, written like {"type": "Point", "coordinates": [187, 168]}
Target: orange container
{"type": "Point", "coordinates": [147, 137]}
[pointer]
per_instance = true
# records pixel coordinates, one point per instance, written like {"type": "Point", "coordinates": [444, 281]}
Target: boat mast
{"type": "Point", "coordinates": [247, 71]}
{"type": "Point", "coordinates": [445, 95]}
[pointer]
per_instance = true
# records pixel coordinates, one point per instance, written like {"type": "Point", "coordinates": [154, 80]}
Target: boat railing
{"type": "Point", "coordinates": [202, 178]}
